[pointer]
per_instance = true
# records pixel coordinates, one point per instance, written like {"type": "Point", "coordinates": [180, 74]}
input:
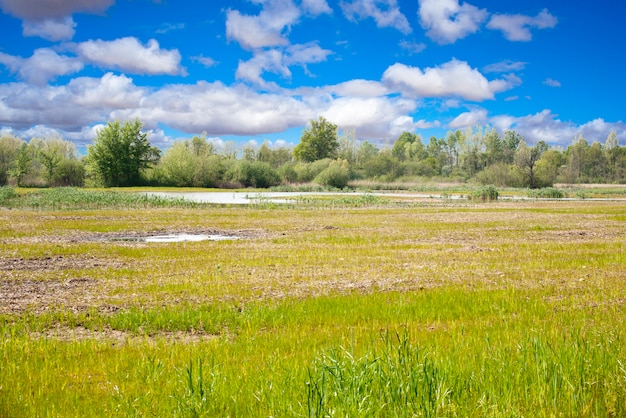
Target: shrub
{"type": "Point", "coordinates": [335, 175]}
{"type": "Point", "coordinates": [485, 193]}
{"type": "Point", "coordinates": [6, 193]}
{"type": "Point", "coordinates": [253, 174]}
{"type": "Point", "coordinates": [546, 193]}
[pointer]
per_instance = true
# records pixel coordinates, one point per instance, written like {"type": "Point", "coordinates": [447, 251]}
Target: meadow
{"type": "Point", "coordinates": [346, 307]}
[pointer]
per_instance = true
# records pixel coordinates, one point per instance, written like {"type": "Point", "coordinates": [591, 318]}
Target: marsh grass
{"type": "Point", "coordinates": [499, 309]}
{"type": "Point", "coordinates": [68, 198]}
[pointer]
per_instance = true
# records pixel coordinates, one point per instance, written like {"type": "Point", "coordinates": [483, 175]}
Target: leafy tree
{"type": "Point", "coordinates": [121, 153]}
{"type": "Point", "coordinates": [526, 159]}
{"type": "Point", "coordinates": [494, 148]}
{"type": "Point", "coordinates": [9, 148]}
{"type": "Point", "coordinates": [548, 167]}
{"type": "Point", "coordinates": [347, 146]}
{"type": "Point", "coordinates": [408, 146]}
{"type": "Point", "coordinates": [613, 154]}
{"type": "Point", "coordinates": [318, 141]}
{"type": "Point", "coordinates": [510, 143]}
{"type": "Point", "coordinates": [53, 153]}
{"type": "Point", "coordinates": [22, 165]}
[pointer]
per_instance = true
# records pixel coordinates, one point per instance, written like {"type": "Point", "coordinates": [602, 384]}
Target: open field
{"type": "Point", "coordinates": [349, 307]}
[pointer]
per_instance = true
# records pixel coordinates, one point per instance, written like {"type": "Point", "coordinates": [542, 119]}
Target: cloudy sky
{"type": "Point", "coordinates": [250, 70]}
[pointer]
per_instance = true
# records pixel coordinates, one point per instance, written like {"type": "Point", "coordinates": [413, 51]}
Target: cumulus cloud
{"type": "Point", "coordinates": [546, 126]}
{"type": "Point", "coordinates": [50, 29]}
{"type": "Point", "coordinates": [128, 54]}
{"type": "Point", "coordinates": [446, 21]}
{"type": "Point", "coordinates": [219, 110]}
{"type": "Point", "coordinates": [359, 88]}
{"type": "Point", "coordinates": [475, 117]}
{"type": "Point", "coordinates": [51, 19]}
{"type": "Point", "coordinates": [44, 65]}
{"type": "Point", "coordinates": [371, 117]}
{"type": "Point", "coordinates": [278, 61]}
{"type": "Point", "coordinates": [386, 13]}
{"type": "Point", "coordinates": [37, 10]}
{"type": "Point", "coordinates": [265, 29]}
{"type": "Point", "coordinates": [316, 7]}
{"type": "Point", "coordinates": [454, 78]}
{"type": "Point", "coordinates": [517, 27]}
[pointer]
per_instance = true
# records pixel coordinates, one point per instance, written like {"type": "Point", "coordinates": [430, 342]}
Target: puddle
{"type": "Point", "coordinates": [182, 237]}
{"type": "Point", "coordinates": [188, 237]}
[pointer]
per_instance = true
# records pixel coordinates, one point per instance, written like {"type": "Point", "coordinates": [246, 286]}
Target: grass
{"type": "Point", "coordinates": [330, 308]}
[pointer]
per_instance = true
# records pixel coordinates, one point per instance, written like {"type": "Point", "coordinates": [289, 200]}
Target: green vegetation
{"type": "Point", "coordinates": [334, 306]}
{"type": "Point", "coordinates": [122, 156]}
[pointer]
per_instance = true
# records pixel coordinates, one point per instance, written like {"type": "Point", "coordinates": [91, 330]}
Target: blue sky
{"type": "Point", "coordinates": [251, 70]}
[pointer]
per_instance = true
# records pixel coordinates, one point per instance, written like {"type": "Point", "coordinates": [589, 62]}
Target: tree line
{"type": "Point", "coordinates": [121, 155]}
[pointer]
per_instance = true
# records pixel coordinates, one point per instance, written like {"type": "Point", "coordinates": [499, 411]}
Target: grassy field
{"type": "Point", "coordinates": [357, 307]}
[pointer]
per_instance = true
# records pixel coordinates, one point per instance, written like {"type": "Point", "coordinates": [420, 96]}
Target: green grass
{"type": "Point", "coordinates": [331, 308]}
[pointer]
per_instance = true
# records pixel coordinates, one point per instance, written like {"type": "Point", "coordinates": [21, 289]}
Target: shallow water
{"type": "Point", "coordinates": [188, 238]}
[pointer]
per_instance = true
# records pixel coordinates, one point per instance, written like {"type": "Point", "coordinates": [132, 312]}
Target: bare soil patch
{"type": "Point", "coordinates": [38, 296]}
{"type": "Point", "coordinates": [118, 338]}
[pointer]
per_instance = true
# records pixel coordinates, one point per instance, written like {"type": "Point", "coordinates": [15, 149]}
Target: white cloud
{"type": "Point", "coordinates": [446, 21]}
{"type": "Point", "coordinates": [37, 10]}
{"type": "Point", "coordinates": [109, 92]}
{"type": "Point", "coordinates": [44, 65]}
{"type": "Point", "coordinates": [408, 124]}
{"type": "Point", "coordinates": [505, 67]}
{"type": "Point", "coordinates": [51, 19]}
{"type": "Point", "coordinates": [271, 60]}
{"type": "Point", "coordinates": [475, 117]}
{"type": "Point", "coordinates": [454, 78]}
{"type": "Point", "coordinates": [552, 83]}
{"type": "Point", "coordinates": [517, 27]}
{"type": "Point", "coordinates": [316, 7]}
{"type": "Point", "coordinates": [413, 47]}
{"type": "Point", "coordinates": [359, 88]}
{"type": "Point", "coordinates": [206, 61]}
{"type": "Point", "coordinates": [278, 61]}
{"type": "Point", "coordinates": [218, 110]}
{"type": "Point", "coordinates": [546, 126]}
{"type": "Point", "coordinates": [265, 29]}
{"type": "Point", "coordinates": [50, 29]}
{"type": "Point", "coordinates": [128, 54]}
{"type": "Point", "coordinates": [386, 13]}
{"type": "Point", "coordinates": [371, 117]}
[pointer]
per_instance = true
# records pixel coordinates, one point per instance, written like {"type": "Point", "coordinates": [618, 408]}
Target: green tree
{"type": "Point", "coordinates": [121, 153]}
{"type": "Point", "coordinates": [58, 158]}
{"type": "Point", "coordinates": [613, 153]}
{"type": "Point", "coordinates": [9, 148]}
{"type": "Point", "coordinates": [409, 146]}
{"type": "Point", "coordinates": [318, 141]}
{"type": "Point", "coordinates": [526, 159]}
{"type": "Point", "coordinates": [509, 144]}
{"type": "Point", "coordinates": [22, 165]}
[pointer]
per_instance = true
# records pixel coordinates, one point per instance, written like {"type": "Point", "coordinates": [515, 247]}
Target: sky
{"type": "Point", "coordinates": [254, 70]}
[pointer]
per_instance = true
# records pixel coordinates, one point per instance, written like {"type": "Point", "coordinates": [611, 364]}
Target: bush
{"type": "Point", "coordinates": [6, 193]}
{"type": "Point", "coordinates": [335, 175]}
{"type": "Point", "coordinates": [500, 175]}
{"type": "Point", "coordinates": [485, 193]}
{"type": "Point", "coordinates": [546, 193]}
{"type": "Point", "coordinates": [253, 174]}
